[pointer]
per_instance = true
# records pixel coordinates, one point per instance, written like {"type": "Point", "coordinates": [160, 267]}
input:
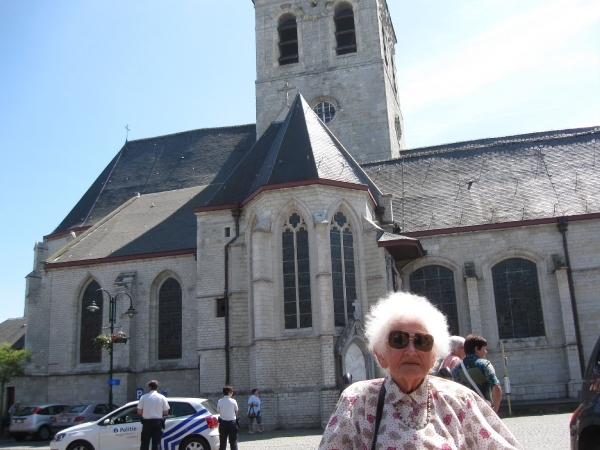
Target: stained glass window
{"type": "Point", "coordinates": [436, 283]}
{"type": "Point", "coordinates": [518, 302]}
{"type": "Point", "coordinates": [91, 324]}
{"type": "Point", "coordinates": [343, 273]}
{"type": "Point", "coordinates": [169, 320]}
{"type": "Point", "coordinates": [297, 308]}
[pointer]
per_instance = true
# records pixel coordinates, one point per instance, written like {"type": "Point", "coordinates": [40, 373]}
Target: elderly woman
{"type": "Point", "coordinates": [409, 409]}
{"type": "Point", "coordinates": [457, 352]}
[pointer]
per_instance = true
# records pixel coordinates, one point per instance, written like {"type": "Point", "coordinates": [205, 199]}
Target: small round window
{"type": "Point", "coordinates": [325, 111]}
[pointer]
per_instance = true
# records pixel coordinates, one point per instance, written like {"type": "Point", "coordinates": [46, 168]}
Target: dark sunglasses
{"type": "Point", "coordinates": [400, 339]}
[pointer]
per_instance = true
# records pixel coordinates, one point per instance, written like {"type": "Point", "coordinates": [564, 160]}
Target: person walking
{"type": "Point", "coordinates": [477, 373]}
{"type": "Point", "coordinates": [227, 408]}
{"type": "Point", "coordinates": [152, 407]}
{"type": "Point", "coordinates": [254, 411]}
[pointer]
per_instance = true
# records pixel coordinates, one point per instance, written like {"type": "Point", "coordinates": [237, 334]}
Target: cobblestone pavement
{"type": "Point", "coordinates": [549, 432]}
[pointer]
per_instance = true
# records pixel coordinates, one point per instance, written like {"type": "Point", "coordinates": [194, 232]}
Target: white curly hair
{"type": "Point", "coordinates": [400, 306]}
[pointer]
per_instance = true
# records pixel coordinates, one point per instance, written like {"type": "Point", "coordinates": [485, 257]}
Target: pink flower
{"type": "Point", "coordinates": [370, 418]}
{"type": "Point", "coordinates": [352, 400]}
{"type": "Point", "coordinates": [446, 447]}
{"type": "Point", "coordinates": [461, 415]}
{"type": "Point", "coordinates": [391, 448]}
{"type": "Point", "coordinates": [484, 433]}
{"type": "Point", "coordinates": [333, 421]}
{"type": "Point", "coordinates": [416, 411]}
{"type": "Point", "coordinates": [397, 416]}
{"type": "Point", "coordinates": [447, 419]}
{"type": "Point", "coordinates": [469, 404]}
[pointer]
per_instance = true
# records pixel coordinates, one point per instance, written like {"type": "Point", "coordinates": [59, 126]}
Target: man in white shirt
{"type": "Point", "coordinates": [152, 407]}
{"type": "Point", "coordinates": [227, 408]}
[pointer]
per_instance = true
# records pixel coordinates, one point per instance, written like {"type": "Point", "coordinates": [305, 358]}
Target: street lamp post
{"type": "Point", "coordinates": [112, 318]}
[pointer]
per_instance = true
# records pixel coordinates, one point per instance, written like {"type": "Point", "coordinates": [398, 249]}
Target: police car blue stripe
{"type": "Point", "coordinates": [196, 423]}
{"type": "Point", "coordinates": [181, 424]}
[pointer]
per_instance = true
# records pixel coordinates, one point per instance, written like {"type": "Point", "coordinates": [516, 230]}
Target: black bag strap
{"type": "Point", "coordinates": [380, 402]}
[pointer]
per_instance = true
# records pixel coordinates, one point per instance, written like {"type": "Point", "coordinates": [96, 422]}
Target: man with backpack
{"type": "Point", "coordinates": [477, 373]}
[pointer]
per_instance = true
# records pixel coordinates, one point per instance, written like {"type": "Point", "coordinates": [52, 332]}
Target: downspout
{"type": "Point", "coordinates": [236, 214]}
{"type": "Point", "coordinates": [562, 228]}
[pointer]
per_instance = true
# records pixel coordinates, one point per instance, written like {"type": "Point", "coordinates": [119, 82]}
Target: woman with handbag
{"type": "Point", "coordinates": [254, 412]}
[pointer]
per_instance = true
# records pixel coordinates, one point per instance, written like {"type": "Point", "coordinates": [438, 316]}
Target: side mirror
{"type": "Point", "coordinates": [106, 422]}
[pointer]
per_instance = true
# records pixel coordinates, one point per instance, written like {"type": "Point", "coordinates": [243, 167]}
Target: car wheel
{"type": "Point", "coordinates": [80, 445]}
{"type": "Point", "coordinates": [43, 433]}
{"type": "Point", "coordinates": [19, 437]}
{"type": "Point", "coordinates": [194, 443]}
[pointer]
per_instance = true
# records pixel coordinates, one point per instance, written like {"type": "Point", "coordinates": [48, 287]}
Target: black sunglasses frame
{"type": "Point", "coordinates": [422, 341]}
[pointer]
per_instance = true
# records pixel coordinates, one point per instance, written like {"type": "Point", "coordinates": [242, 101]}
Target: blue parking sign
{"type": "Point", "coordinates": [138, 393]}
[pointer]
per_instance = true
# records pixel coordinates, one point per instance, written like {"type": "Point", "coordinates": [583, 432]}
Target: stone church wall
{"type": "Point", "coordinates": [538, 367]}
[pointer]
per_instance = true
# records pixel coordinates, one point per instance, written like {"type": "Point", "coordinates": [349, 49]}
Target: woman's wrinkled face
{"type": "Point", "coordinates": [407, 366]}
{"type": "Point", "coordinates": [460, 351]}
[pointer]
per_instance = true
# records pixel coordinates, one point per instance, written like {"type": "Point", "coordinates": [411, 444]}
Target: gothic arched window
{"type": "Point", "coordinates": [345, 34]}
{"type": "Point", "coordinates": [437, 284]}
{"type": "Point", "coordinates": [288, 40]}
{"type": "Point", "coordinates": [169, 320]}
{"type": "Point", "coordinates": [91, 324]}
{"type": "Point", "coordinates": [297, 309]}
{"type": "Point", "coordinates": [518, 302]}
{"type": "Point", "coordinates": [343, 275]}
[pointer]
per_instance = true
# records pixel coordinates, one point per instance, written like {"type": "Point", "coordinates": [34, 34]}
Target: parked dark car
{"type": "Point", "coordinates": [585, 423]}
{"type": "Point", "coordinates": [80, 414]}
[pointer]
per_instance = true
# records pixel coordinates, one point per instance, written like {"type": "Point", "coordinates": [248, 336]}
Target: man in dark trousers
{"type": "Point", "coordinates": [152, 407]}
{"type": "Point", "coordinates": [227, 408]}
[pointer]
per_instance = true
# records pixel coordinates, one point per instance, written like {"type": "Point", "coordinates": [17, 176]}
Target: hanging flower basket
{"type": "Point", "coordinates": [104, 340]}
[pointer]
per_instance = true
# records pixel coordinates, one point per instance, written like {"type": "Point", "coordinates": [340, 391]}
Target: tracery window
{"type": "Point", "coordinates": [288, 40]}
{"type": "Point", "coordinates": [169, 320]}
{"type": "Point", "coordinates": [518, 302]}
{"type": "Point", "coordinates": [343, 274]}
{"type": "Point", "coordinates": [437, 284]}
{"type": "Point", "coordinates": [345, 33]}
{"type": "Point", "coordinates": [91, 324]}
{"type": "Point", "coordinates": [297, 309]}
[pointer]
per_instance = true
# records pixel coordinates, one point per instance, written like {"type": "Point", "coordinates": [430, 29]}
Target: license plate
{"type": "Point", "coordinates": [64, 420]}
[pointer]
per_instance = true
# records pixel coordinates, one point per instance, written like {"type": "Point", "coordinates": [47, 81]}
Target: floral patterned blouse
{"type": "Point", "coordinates": [439, 415]}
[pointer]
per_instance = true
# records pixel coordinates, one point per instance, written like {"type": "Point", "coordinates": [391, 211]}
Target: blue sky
{"type": "Point", "coordinates": [73, 74]}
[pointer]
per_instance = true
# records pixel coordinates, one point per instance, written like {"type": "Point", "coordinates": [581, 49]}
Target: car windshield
{"type": "Point", "coordinates": [25, 411]}
{"type": "Point", "coordinates": [78, 409]}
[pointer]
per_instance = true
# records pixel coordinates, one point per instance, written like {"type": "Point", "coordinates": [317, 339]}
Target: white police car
{"type": "Point", "coordinates": [192, 424]}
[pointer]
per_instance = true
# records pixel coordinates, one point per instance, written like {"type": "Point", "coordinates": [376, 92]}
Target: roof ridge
{"type": "Point", "coordinates": [191, 131]}
{"type": "Point", "coordinates": [500, 141]}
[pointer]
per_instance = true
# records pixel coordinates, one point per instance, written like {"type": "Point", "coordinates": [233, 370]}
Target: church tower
{"type": "Point", "coordinates": [339, 54]}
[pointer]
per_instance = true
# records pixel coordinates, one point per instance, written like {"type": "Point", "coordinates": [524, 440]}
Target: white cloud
{"type": "Point", "coordinates": [534, 39]}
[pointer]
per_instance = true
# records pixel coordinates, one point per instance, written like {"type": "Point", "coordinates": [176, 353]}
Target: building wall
{"type": "Point", "coordinates": [539, 367]}
{"type": "Point", "coordinates": [359, 84]}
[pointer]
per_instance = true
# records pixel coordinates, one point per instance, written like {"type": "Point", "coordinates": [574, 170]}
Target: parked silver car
{"type": "Point", "coordinates": [80, 414]}
{"type": "Point", "coordinates": [34, 421]}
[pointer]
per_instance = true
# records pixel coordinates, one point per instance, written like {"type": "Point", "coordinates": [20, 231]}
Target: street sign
{"type": "Point", "coordinates": [138, 393]}
{"type": "Point", "coordinates": [165, 393]}
{"type": "Point", "coordinates": [114, 382]}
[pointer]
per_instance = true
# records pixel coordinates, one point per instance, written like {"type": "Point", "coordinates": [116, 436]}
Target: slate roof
{"type": "Point", "coordinates": [300, 149]}
{"type": "Point", "coordinates": [159, 164]}
{"type": "Point", "coordinates": [13, 332]}
{"type": "Point", "coordinates": [506, 179]}
{"type": "Point", "coordinates": [151, 223]}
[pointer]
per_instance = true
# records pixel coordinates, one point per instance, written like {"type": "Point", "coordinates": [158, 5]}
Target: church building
{"type": "Point", "coordinates": [251, 254]}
